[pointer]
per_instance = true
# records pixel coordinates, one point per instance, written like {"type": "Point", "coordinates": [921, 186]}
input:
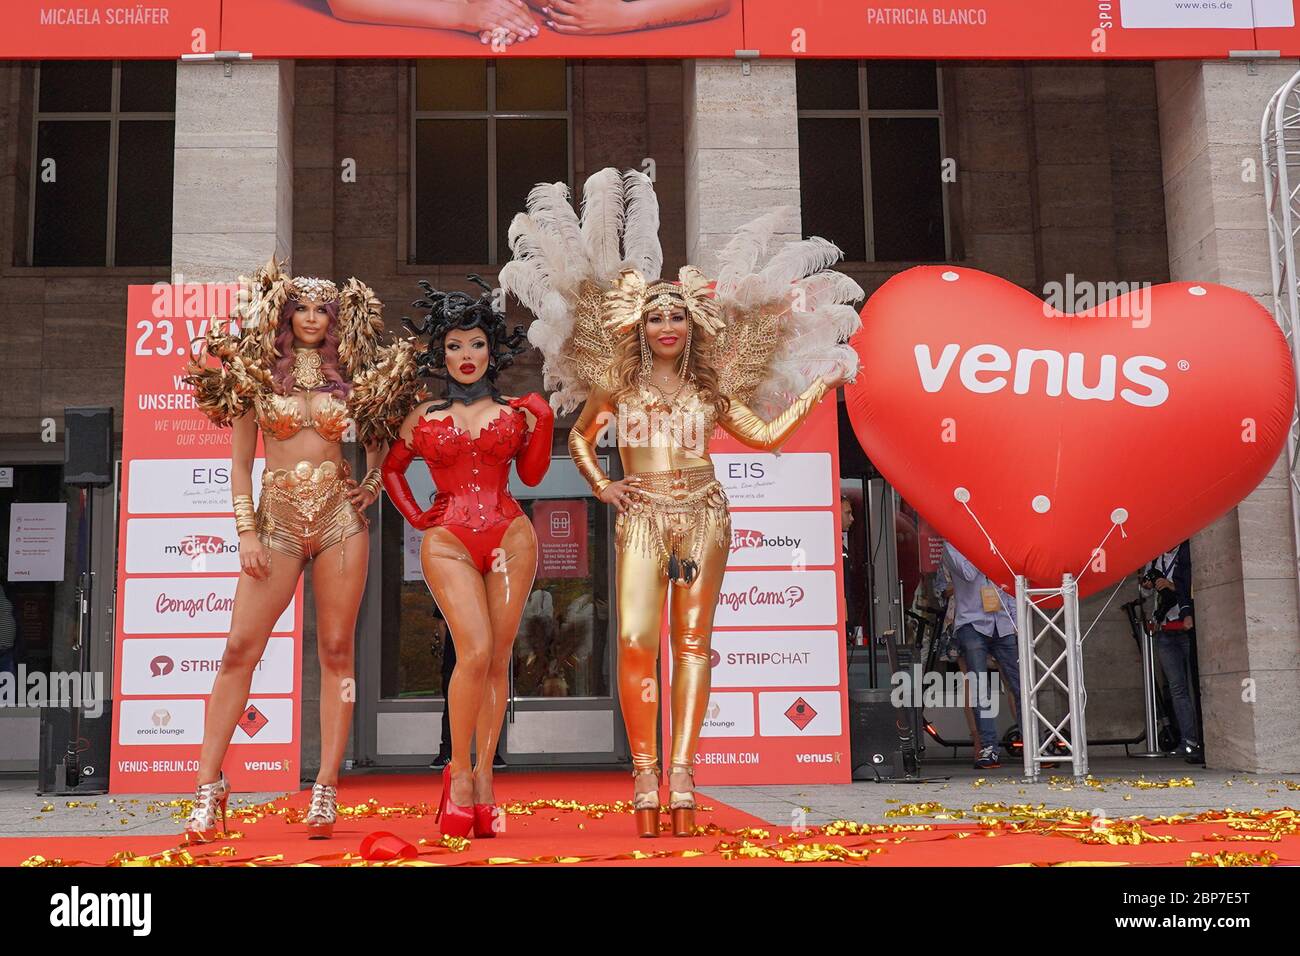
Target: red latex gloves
{"type": "Point", "coordinates": [535, 457]}
{"type": "Point", "coordinates": [394, 468]}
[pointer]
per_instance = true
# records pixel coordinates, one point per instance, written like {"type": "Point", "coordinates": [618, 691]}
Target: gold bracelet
{"type": "Point", "coordinates": [372, 482]}
{"type": "Point", "coordinates": [244, 520]}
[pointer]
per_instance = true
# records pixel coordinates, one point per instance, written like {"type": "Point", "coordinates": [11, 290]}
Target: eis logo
{"type": "Point", "coordinates": [206, 477]}
{"type": "Point", "coordinates": [985, 369]}
{"type": "Point", "coordinates": [561, 524]}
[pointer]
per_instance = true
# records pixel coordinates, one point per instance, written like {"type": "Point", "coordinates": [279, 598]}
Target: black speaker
{"type": "Point", "coordinates": [92, 748]}
{"type": "Point", "coordinates": [88, 446]}
{"type": "Point", "coordinates": [882, 737]}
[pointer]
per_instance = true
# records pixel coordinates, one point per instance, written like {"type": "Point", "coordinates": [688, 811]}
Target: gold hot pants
{"type": "Point", "coordinates": [674, 513]}
{"type": "Point", "coordinates": [305, 509]}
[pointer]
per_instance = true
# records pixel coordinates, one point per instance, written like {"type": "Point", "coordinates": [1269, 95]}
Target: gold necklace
{"type": "Point", "coordinates": [307, 372]}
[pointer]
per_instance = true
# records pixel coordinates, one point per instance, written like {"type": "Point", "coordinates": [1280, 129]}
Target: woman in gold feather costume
{"type": "Point", "coordinates": [662, 363]}
{"type": "Point", "coordinates": [289, 374]}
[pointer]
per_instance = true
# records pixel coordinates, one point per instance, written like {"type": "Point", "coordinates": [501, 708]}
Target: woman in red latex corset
{"type": "Point", "coordinates": [479, 552]}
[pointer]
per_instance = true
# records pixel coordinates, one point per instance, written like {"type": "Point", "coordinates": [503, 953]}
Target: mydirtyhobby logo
{"type": "Point", "coordinates": [195, 545]}
{"type": "Point", "coordinates": [916, 688]}
{"type": "Point", "coordinates": [74, 908]}
{"type": "Point", "coordinates": [22, 688]}
{"type": "Point", "coordinates": [747, 538]}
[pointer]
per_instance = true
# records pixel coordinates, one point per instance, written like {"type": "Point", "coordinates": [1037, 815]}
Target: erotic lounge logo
{"type": "Point", "coordinates": [756, 596]}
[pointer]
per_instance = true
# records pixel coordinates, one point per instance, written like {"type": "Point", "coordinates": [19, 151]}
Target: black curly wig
{"type": "Point", "coordinates": [447, 311]}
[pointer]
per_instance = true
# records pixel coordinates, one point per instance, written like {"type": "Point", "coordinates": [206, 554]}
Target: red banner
{"type": "Point", "coordinates": [1015, 29]}
{"type": "Point", "coordinates": [561, 528]}
{"type": "Point", "coordinates": [159, 29]}
{"type": "Point", "coordinates": [778, 711]}
{"type": "Point", "coordinates": [178, 563]}
{"type": "Point", "coordinates": [316, 29]}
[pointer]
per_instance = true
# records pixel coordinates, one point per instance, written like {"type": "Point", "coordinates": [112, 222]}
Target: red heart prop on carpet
{"type": "Point", "coordinates": [382, 845]}
{"type": "Point", "coordinates": [1160, 409]}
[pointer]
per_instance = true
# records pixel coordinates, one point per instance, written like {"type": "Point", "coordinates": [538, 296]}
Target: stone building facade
{"type": "Point", "coordinates": [1104, 172]}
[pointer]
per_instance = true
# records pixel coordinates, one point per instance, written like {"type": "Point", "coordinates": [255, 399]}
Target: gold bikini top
{"type": "Point", "coordinates": [281, 417]}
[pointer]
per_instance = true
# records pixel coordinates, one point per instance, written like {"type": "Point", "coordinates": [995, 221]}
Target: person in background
{"type": "Point", "coordinates": [852, 605]}
{"type": "Point", "coordinates": [1169, 578]}
{"type": "Point", "coordinates": [983, 627]}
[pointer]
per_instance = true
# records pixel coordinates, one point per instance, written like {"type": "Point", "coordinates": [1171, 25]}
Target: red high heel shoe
{"type": "Point", "coordinates": [485, 815]}
{"type": "Point", "coordinates": [452, 819]}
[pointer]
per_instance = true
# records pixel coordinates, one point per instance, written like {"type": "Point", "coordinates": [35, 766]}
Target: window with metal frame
{"type": "Point", "coordinates": [101, 165]}
{"type": "Point", "coordinates": [483, 132]}
{"type": "Point", "coordinates": [871, 151]}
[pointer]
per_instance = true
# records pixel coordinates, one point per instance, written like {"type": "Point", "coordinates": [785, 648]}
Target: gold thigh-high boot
{"type": "Point", "coordinates": [690, 623]}
{"type": "Point", "coordinates": [641, 585]}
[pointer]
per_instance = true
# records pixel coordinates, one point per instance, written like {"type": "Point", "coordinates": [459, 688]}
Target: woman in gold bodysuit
{"type": "Point", "coordinates": [289, 375]}
{"type": "Point", "coordinates": [673, 525]}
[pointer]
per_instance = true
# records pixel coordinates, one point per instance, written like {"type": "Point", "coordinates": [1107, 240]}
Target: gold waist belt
{"type": "Point", "coordinates": [672, 515]}
{"type": "Point", "coordinates": [305, 509]}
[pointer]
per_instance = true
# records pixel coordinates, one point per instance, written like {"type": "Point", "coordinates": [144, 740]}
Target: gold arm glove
{"type": "Point", "coordinates": [371, 483]}
{"type": "Point", "coordinates": [745, 425]}
{"type": "Point", "coordinates": [582, 439]}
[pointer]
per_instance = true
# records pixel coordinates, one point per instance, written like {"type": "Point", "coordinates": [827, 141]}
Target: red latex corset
{"type": "Point", "coordinates": [471, 474]}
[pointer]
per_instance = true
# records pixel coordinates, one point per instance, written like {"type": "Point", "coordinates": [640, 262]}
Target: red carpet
{"type": "Point", "coordinates": [577, 818]}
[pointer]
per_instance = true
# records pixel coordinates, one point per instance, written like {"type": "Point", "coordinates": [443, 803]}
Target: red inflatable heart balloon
{"type": "Point", "coordinates": [1134, 423]}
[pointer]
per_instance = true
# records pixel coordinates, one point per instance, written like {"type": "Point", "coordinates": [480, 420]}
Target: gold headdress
{"type": "Point", "coordinates": [627, 303]}
{"type": "Point", "coordinates": [777, 317]}
{"type": "Point", "coordinates": [313, 289]}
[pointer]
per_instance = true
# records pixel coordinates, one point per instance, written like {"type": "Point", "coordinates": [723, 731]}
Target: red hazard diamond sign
{"type": "Point", "coordinates": [800, 713]}
{"type": "Point", "coordinates": [252, 721]}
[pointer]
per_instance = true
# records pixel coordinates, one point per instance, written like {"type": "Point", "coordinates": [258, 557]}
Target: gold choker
{"type": "Point", "coordinates": [307, 372]}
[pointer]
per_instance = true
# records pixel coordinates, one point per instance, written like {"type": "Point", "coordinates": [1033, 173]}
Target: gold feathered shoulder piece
{"type": "Point", "coordinates": [385, 391]}
{"type": "Point", "coordinates": [787, 315]}
{"type": "Point", "coordinates": [230, 388]}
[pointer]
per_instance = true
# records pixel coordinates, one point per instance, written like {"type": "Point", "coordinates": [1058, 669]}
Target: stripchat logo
{"type": "Point", "coordinates": [161, 665]}
{"type": "Point", "coordinates": [982, 370]}
{"type": "Point", "coordinates": [75, 908]}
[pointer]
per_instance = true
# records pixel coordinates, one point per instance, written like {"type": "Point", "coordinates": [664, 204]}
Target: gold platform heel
{"type": "Point", "coordinates": [646, 805]}
{"type": "Point", "coordinates": [324, 812]}
{"type": "Point", "coordinates": [682, 802]}
{"type": "Point", "coordinates": [210, 801]}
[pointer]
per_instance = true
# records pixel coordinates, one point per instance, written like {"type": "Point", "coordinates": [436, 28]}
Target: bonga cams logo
{"type": "Point", "coordinates": [190, 607]}
{"type": "Point", "coordinates": [763, 597]}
